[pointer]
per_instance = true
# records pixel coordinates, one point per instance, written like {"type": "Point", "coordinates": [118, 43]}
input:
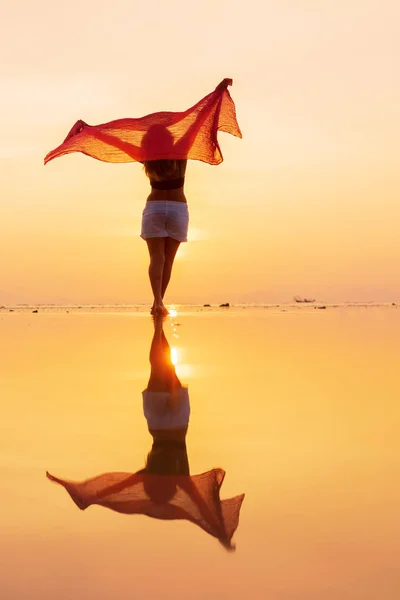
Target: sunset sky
{"type": "Point", "coordinates": [306, 203]}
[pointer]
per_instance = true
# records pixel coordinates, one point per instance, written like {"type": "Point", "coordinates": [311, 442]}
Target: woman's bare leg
{"type": "Point", "coordinates": [156, 248]}
{"type": "Point", "coordinates": [171, 248]}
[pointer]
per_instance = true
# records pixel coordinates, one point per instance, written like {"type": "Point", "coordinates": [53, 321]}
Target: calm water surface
{"type": "Point", "coordinates": [299, 408]}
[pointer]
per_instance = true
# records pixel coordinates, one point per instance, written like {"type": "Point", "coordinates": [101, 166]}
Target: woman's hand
{"type": "Point", "coordinates": [224, 84]}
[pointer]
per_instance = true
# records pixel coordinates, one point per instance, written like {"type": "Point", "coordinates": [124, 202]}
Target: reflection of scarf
{"type": "Point", "coordinates": [191, 134]}
{"type": "Point", "coordinates": [194, 498]}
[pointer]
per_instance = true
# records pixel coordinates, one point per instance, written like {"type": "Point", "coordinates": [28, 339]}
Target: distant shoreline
{"type": "Point", "coordinates": [182, 308]}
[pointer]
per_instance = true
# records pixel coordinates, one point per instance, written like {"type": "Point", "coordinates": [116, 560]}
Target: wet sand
{"type": "Point", "coordinates": [299, 407]}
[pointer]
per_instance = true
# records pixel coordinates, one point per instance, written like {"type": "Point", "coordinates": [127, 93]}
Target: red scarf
{"type": "Point", "coordinates": [191, 134]}
{"type": "Point", "coordinates": [194, 498]}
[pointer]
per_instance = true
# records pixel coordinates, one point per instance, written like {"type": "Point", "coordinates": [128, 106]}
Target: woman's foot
{"type": "Point", "coordinates": [159, 310]}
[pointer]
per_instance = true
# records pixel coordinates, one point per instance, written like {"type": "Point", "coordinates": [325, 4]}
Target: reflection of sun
{"type": "Point", "coordinates": [173, 312]}
{"type": "Point", "coordinates": [174, 356]}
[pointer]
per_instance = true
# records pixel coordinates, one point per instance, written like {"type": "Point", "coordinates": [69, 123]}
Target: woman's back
{"type": "Point", "coordinates": [166, 179]}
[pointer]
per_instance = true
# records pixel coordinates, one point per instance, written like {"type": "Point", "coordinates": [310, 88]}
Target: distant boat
{"type": "Point", "coordinates": [301, 299]}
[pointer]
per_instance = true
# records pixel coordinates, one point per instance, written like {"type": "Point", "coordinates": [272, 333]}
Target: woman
{"type": "Point", "coordinates": [165, 221]}
{"type": "Point", "coordinates": [165, 218]}
{"type": "Point", "coordinates": [163, 142]}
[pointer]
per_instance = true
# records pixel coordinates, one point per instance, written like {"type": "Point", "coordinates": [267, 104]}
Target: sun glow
{"type": "Point", "coordinates": [174, 356]}
{"type": "Point", "coordinates": [180, 253]}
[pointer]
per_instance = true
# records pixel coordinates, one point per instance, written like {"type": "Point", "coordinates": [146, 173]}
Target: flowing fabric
{"type": "Point", "coordinates": [191, 134]}
{"type": "Point", "coordinates": [195, 498]}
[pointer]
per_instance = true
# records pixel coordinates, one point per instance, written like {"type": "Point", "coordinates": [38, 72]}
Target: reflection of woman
{"type": "Point", "coordinates": [164, 489]}
{"type": "Point", "coordinates": [165, 218]}
{"type": "Point", "coordinates": [167, 410]}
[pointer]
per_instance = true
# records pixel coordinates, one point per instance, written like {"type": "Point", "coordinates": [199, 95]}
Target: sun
{"type": "Point", "coordinates": [174, 356]}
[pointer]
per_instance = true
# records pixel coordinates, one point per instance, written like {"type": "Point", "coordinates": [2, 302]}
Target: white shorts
{"type": "Point", "coordinates": [161, 414]}
{"type": "Point", "coordinates": [165, 218]}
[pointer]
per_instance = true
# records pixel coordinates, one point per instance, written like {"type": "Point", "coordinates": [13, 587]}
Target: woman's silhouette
{"type": "Point", "coordinates": [162, 142]}
{"type": "Point", "coordinates": [165, 218]}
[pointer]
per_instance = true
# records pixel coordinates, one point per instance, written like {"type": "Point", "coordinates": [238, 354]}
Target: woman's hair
{"type": "Point", "coordinates": [166, 457]}
{"type": "Point", "coordinates": [160, 170]}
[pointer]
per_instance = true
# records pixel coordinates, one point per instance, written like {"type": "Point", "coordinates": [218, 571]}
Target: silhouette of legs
{"type": "Point", "coordinates": [162, 255]}
{"type": "Point", "coordinates": [171, 248]}
{"type": "Point", "coordinates": [156, 248]}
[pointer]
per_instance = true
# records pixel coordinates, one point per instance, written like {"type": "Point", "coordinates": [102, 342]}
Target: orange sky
{"type": "Point", "coordinates": [306, 203]}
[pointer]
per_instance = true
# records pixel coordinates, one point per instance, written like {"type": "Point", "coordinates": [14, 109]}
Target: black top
{"type": "Point", "coordinates": [167, 184]}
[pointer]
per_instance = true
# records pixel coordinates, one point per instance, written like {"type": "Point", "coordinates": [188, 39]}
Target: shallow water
{"type": "Point", "coordinates": [299, 407]}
